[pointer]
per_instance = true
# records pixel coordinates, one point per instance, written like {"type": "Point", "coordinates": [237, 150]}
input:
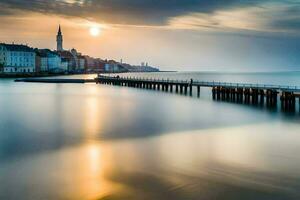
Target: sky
{"type": "Point", "coordinates": [185, 35]}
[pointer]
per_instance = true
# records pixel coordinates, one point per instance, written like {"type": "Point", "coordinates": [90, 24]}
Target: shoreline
{"type": "Point", "coordinates": [3, 76]}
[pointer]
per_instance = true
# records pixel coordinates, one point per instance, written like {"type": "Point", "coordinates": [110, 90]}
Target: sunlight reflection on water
{"type": "Point", "coordinates": [197, 164]}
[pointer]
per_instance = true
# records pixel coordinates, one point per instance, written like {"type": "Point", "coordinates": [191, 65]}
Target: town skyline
{"type": "Point", "coordinates": [19, 59]}
{"type": "Point", "coordinates": [68, 45]}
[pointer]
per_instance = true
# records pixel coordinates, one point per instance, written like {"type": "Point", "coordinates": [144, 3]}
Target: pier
{"type": "Point", "coordinates": [254, 94]}
{"type": "Point", "coordinates": [251, 94]}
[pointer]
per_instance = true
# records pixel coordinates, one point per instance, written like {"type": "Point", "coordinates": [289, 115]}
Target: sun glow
{"type": "Point", "coordinates": [95, 31]}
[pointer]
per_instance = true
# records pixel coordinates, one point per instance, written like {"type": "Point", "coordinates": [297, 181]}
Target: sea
{"type": "Point", "coordinates": [102, 142]}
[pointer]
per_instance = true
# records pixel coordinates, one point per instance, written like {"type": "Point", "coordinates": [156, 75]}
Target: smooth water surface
{"type": "Point", "coordinates": [89, 141]}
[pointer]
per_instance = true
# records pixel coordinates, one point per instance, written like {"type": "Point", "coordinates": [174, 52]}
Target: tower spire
{"type": "Point", "coordinates": [59, 40]}
{"type": "Point", "coordinates": [59, 30]}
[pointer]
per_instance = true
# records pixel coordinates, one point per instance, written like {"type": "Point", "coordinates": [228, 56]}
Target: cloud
{"type": "Point", "coordinates": [249, 15]}
{"type": "Point", "coordinates": [287, 24]}
{"type": "Point", "coordinates": [286, 17]}
{"type": "Point", "coordinates": [123, 11]}
{"type": "Point", "coordinates": [274, 17]}
{"type": "Point", "coordinates": [5, 10]}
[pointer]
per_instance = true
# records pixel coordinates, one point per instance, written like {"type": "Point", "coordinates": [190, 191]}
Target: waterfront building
{"type": "Point", "coordinates": [64, 66]}
{"type": "Point", "coordinates": [82, 63]}
{"type": "Point", "coordinates": [67, 59]}
{"type": "Point", "coordinates": [99, 65]}
{"type": "Point", "coordinates": [94, 64]}
{"type": "Point", "coordinates": [70, 58]}
{"type": "Point", "coordinates": [107, 67]}
{"type": "Point", "coordinates": [41, 61]}
{"type": "Point", "coordinates": [113, 66]}
{"type": "Point", "coordinates": [53, 61]}
{"type": "Point", "coordinates": [50, 61]}
{"type": "Point", "coordinates": [90, 63]}
{"type": "Point", "coordinates": [17, 58]}
{"type": "Point", "coordinates": [75, 59]}
{"type": "Point", "coordinates": [79, 61]}
{"type": "Point", "coordinates": [38, 61]}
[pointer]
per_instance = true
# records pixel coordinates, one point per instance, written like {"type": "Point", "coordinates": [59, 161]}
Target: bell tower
{"type": "Point", "coordinates": [59, 40]}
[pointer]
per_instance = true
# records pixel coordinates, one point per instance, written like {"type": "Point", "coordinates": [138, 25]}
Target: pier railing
{"type": "Point", "coordinates": [210, 83]}
{"type": "Point", "coordinates": [246, 85]}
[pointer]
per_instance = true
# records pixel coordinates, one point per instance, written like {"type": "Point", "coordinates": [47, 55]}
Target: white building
{"type": "Point", "coordinates": [17, 58]}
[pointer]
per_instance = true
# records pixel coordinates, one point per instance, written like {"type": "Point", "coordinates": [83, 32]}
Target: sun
{"type": "Point", "coordinates": [94, 31]}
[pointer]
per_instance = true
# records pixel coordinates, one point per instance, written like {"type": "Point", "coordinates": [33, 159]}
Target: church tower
{"type": "Point", "coordinates": [59, 40]}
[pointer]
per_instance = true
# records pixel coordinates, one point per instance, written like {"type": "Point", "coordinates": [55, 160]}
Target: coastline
{"type": "Point", "coordinates": [38, 75]}
{"type": "Point", "coordinates": [3, 76]}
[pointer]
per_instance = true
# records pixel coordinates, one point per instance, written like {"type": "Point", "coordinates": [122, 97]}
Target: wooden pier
{"type": "Point", "coordinates": [255, 94]}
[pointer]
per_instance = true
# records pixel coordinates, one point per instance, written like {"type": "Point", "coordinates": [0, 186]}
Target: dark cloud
{"type": "Point", "coordinates": [153, 12]}
{"type": "Point", "coordinates": [124, 11]}
{"type": "Point", "coordinates": [286, 24]}
{"type": "Point", "coordinates": [289, 19]}
{"type": "Point", "coordinates": [5, 10]}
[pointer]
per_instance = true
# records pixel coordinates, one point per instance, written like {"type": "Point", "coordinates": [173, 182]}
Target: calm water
{"type": "Point", "coordinates": [88, 141]}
